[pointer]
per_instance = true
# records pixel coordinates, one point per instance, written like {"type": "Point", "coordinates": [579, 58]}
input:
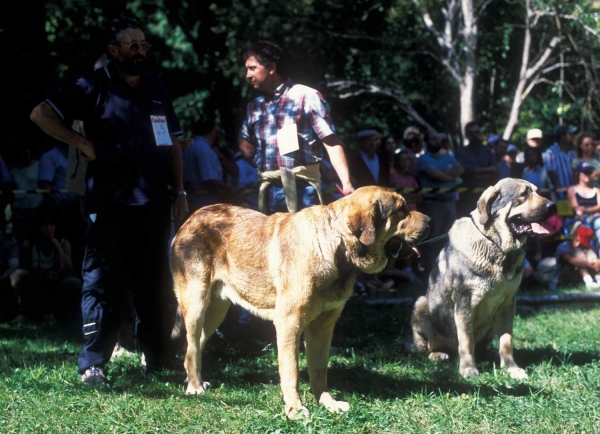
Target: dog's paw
{"type": "Point", "coordinates": [332, 405]}
{"type": "Point", "coordinates": [438, 356]}
{"type": "Point", "coordinates": [197, 390]}
{"type": "Point", "coordinates": [517, 373]}
{"type": "Point", "coordinates": [469, 372]}
{"type": "Point", "coordinates": [298, 413]}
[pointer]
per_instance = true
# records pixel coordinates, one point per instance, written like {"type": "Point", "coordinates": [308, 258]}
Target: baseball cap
{"type": "Point", "coordinates": [564, 129]}
{"type": "Point", "coordinates": [583, 166]}
{"type": "Point", "coordinates": [534, 133]}
{"type": "Point", "coordinates": [493, 139]}
{"type": "Point", "coordinates": [512, 148]}
{"type": "Point", "coordinates": [585, 235]}
{"type": "Point", "coordinates": [366, 133]}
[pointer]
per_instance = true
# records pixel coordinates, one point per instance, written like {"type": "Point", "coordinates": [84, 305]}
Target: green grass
{"type": "Point", "coordinates": [388, 389]}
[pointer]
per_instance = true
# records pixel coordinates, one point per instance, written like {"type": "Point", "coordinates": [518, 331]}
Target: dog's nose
{"type": "Point", "coordinates": [551, 207]}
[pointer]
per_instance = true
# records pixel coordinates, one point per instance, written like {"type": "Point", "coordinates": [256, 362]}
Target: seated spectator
{"type": "Point", "coordinates": [577, 261]}
{"type": "Point", "coordinates": [480, 168]}
{"type": "Point", "coordinates": [45, 280]}
{"type": "Point", "coordinates": [550, 241]}
{"type": "Point", "coordinates": [24, 207]}
{"type": "Point", "coordinates": [368, 166]}
{"type": "Point", "coordinates": [9, 262]}
{"type": "Point", "coordinates": [511, 160]}
{"type": "Point", "coordinates": [438, 170]}
{"type": "Point", "coordinates": [413, 142]}
{"type": "Point", "coordinates": [558, 158]}
{"type": "Point", "coordinates": [401, 178]}
{"type": "Point", "coordinates": [500, 149]}
{"type": "Point", "coordinates": [534, 140]}
{"type": "Point", "coordinates": [247, 182]}
{"type": "Point", "coordinates": [445, 144]}
{"type": "Point", "coordinates": [534, 170]}
{"type": "Point", "coordinates": [52, 175]}
{"type": "Point", "coordinates": [6, 194]}
{"type": "Point", "coordinates": [493, 140]}
{"type": "Point", "coordinates": [585, 152]}
{"type": "Point", "coordinates": [203, 168]}
{"type": "Point", "coordinates": [584, 198]}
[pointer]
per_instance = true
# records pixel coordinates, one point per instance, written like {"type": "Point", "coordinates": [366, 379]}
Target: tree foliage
{"type": "Point", "coordinates": [372, 59]}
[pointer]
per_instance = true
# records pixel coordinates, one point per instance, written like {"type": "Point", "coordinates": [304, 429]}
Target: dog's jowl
{"type": "Point", "coordinates": [471, 297]}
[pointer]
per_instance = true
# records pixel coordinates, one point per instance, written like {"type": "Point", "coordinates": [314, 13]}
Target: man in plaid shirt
{"type": "Point", "coordinates": [283, 132]}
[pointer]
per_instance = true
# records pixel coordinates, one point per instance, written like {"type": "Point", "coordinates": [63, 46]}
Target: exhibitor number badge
{"type": "Point", "coordinates": [161, 131]}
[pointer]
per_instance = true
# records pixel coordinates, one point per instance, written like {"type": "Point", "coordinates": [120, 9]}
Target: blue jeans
{"type": "Point", "coordinates": [307, 196]}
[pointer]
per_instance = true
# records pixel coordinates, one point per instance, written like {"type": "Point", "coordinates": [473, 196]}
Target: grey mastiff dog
{"type": "Point", "coordinates": [471, 297]}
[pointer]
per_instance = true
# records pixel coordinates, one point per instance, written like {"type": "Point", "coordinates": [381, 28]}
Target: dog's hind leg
{"type": "Point", "coordinates": [201, 320]}
{"type": "Point", "coordinates": [317, 337]}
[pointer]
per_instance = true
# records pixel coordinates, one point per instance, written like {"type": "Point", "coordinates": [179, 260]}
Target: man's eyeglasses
{"type": "Point", "coordinates": [134, 47]}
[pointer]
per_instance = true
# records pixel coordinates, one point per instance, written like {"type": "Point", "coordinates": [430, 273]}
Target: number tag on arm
{"type": "Point", "coordinates": [161, 131]}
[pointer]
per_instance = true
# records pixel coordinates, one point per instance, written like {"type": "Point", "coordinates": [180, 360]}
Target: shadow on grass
{"type": "Point", "coordinates": [538, 356]}
{"type": "Point", "coordinates": [380, 386]}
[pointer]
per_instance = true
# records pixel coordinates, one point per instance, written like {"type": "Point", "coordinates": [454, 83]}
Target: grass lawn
{"type": "Point", "coordinates": [388, 389]}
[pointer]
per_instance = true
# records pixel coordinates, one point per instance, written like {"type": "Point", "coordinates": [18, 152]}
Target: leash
{"type": "Point", "coordinates": [433, 240]}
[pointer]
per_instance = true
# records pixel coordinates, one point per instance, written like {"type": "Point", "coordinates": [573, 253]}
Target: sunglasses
{"type": "Point", "coordinates": [134, 47]}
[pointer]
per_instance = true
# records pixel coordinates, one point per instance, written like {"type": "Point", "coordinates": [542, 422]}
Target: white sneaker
{"type": "Point", "coordinates": [592, 285]}
{"type": "Point", "coordinates": [94, 375]}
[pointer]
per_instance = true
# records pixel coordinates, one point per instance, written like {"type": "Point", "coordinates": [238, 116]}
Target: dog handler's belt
{"type": "Point", "coordinates": [309, 173]}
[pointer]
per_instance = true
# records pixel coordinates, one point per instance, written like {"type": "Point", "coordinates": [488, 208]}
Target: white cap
{"type": "Point", "coordinates": [534, 133]}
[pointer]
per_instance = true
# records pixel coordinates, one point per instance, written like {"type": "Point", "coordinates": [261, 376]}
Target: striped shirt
{"type": "Point", "coordinates": [558, 161]}
{"type": "Point", "coordinates": [291, 104]}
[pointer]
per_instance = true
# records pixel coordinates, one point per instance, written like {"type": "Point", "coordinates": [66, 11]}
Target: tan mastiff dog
{"type": "Point", "coordinates": [297, 270]}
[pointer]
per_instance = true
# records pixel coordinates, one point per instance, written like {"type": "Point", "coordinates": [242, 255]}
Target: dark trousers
{"type": "Point", "coordinates": [126, 248]}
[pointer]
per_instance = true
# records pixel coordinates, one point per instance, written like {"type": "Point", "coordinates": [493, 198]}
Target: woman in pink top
{"type": "Point", "coordinates": [401, 178]}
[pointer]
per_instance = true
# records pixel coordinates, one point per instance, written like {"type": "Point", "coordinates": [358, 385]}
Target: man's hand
{"type": "Point", "coordinates": [87, 149]}
{"type": "Point", "coordinates": [596, 266]}
{"type": "Point", "coordinates": [346, 189]}
{"type": "Point", "coordinates": [180, 209]}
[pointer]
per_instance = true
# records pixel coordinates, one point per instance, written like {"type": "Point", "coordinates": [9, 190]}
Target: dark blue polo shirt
{"type": "Point", "coordinates": [130, 169]}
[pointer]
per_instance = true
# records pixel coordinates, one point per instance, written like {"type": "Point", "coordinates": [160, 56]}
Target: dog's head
{"type": "Point", "coordinates": [516, 203]}
{"type": "Point", "coordinates": [379, 224]}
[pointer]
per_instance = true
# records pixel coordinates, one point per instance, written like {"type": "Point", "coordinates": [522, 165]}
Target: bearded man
{"type": "Point", "coordinates": [134, 177]}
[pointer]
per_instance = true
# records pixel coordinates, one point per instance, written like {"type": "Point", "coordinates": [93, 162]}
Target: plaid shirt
{"type": "Point", "coordinates": [291, 103]}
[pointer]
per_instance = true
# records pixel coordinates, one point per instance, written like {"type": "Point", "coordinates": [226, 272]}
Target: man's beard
{"type": "Point", "coordinates": [433, 149]}
{"type": "Point", "coordinates": [129, 66]}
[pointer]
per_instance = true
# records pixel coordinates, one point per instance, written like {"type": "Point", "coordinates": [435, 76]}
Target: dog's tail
{"type": "Point", "coordinates": [178, 331]}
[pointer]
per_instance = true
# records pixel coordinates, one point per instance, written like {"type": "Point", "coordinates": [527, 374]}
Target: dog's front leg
{"type": "Point", "coordinates": [463, 317]}
{"type": "Point", "coordinates": [288, 340]}
{"type": "Point", "coordinates": [317, 337]}
{"type": "Point", "coordinates": [505, 345]}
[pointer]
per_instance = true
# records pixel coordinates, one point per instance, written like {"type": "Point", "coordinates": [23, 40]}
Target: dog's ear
{"type": "Point", "coordinates": [363, 224]}
{"type": "Point", "coordinates": [484, 205]}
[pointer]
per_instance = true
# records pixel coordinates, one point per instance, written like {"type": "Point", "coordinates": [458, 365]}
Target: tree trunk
{"type": "Point", "coordinates": [513, 118]}
{"type": "Point", "coordinates": [467, 84]}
